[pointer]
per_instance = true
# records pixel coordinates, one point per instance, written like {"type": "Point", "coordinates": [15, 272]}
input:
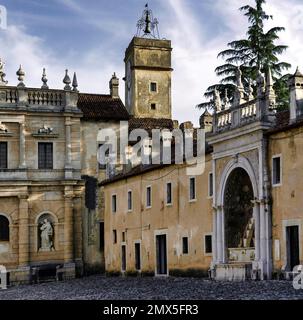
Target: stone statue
{"type": "Point", "coordinates": [46, 236]}
{"type": "Point", "coordinates": [2, 74]}
{"type": "Point", "coordinates": [217, 101]}
{"type": "Point", "coordinates": [260, 84]}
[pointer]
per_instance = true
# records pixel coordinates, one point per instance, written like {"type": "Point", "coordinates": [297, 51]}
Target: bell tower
{"type": "Point", "coordinates": [148, 71]}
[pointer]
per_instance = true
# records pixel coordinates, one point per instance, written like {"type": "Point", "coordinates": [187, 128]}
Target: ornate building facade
{"type": "Point", "coordinates": [240, 219]}
{"type": "Point", "coordinates": [49, 223]}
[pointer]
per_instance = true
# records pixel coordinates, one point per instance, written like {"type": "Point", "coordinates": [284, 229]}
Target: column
{"type": "Point", "coordinates": [223, 251]}
{"type": "Point", "coordinates": [23, 231]}
{"type": "Point", "coordinates": [22, 163]}
{"type": "Point", "coordinates": [68, 229]}
{"type": "Point", "coordinates": [68, 144]}
{"type": "Point", "coordinates": [262, 238]}
{"type": "Point", "coordinates": [256, 214]}
{"type": "Point", "coordinates": [214, 242]}
{"type": "Point", "coordinates": [219, 236]}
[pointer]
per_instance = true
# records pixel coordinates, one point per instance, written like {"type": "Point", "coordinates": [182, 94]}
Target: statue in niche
{"type": "Point", "coordinates": [46, 236]}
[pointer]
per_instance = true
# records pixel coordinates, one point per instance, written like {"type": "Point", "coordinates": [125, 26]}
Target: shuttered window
{"type": "Point", "coordinates": [45, 155]}
{"type": "Point", "coordinates": [3, 155]}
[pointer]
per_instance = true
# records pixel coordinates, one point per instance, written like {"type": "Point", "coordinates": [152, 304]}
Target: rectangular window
{"type": "Point", "coordinates": [138, 256]}
{"type": "Point", "coordinates": [276, 170]}
{"type": "Point", "coordinates": [210, 185]}
{"type": "Point", "coordinates": [101, 236]}
{"type": "Point", "coordinates": [45, 155]}
{"type": "Point", "coordinates": [123, 236]}
{"type": "Point", "coordinates": [153, 87]}
{"type": "Point", "coordinates": [3, 155]}
{"type": "Point", "coordinates": [114, 236]}
{"type": "Point", "coordinates": [169, 193]}
{"type": "Point", "coordinates": [153, 106]}
{"type": "Point", "coordinates": [129, 201]}
{"type": "Point", "coordinates": [123, 258]}
{"type": "Point", "coordinates": [114, 203]}
{"type": "Point", "coordinates": [192, 189]}
{"type": "Point", "coordinates": [148, 197]}
{"type": "Point", "coordinates": [102, 158]}
{"type": "Point", "coordinates": [208, 244]}
{"type": "Point", "coordinates": [185, 245]}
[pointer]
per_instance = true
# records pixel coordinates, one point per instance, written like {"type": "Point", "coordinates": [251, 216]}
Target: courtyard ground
{"type": "Point", "coordinates": [119, 288]}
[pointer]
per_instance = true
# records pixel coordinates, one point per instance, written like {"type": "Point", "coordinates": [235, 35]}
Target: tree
{"type": "Point", "coordinates": [257, 52]}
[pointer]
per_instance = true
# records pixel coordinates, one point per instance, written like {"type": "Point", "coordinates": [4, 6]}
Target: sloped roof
{"type": "Point", "coordinates": [149, 124]}
{"type": "Point", "coordinates": [101, 107]}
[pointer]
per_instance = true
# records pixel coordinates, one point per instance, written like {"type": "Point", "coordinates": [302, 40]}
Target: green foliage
{"type": "Point", "coordinates": [257, 52]}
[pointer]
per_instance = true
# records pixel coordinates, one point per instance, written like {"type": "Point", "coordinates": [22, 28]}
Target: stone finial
{"type": "Point", "coordinates": [239, 92]}
{"type": "Point", "coordinates": [75, 82]}
{"type": "Point", "coordinates": [114, 86]}
{"type": "Point", "coordinates": [3, 82]}
{"type": "Point", "coordinates": [226, 102]}
{"type": "Point", "coordinates": [260, 84]}
{"type": "Point", "coordinates": [67, 81]}
{"type": "Point", "coordinates": [21, 75]}
{"type": "Point", "coordinates": [250, 91]}
{"type": "Point", "coordinates": [217, 100]}
{"type": "Point", "coordinates": [298, 73]}
{"type": "Point", "coordinates": [239, 78]}
{"type": "Point", "coordinates": [270, 92]}
{"type": "Point", "coordinates": [44, 80]}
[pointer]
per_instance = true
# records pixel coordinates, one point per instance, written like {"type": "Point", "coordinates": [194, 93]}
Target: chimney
{"type": "Point", "coordinates": [206, 121]}
{"type": "Point", "coordinates": [186, 125]}
{"type": "Point", "coordinates": [114, 86]}
{"type": "Point", "coordinates": [296, 95]}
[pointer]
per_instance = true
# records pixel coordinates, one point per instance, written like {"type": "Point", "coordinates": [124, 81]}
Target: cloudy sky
{"type": "Point", "coordinates": [90, 37]}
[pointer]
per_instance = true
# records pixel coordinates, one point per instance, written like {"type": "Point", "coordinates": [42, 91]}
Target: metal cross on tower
{"type": "Point", "coordinates": [147, 26]}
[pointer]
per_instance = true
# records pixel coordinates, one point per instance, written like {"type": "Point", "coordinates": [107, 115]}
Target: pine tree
{"type": "Point", "coordinates": [257, 52]}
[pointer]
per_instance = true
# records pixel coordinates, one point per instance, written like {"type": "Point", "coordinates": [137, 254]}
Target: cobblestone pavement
{"type": "Point", "coordinates": [103, 288]}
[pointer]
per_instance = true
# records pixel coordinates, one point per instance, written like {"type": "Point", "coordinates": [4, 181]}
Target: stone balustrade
{"type": "Point", "coordinates": [37, 97]}
{"type": "Point", "coordinates": [234, 117]}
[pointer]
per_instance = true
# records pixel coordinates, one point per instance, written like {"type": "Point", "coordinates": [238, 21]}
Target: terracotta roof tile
{"type": "Point", "coordinates": [150, 123]}
{"type": "Point", "coordinates": [101, 107]}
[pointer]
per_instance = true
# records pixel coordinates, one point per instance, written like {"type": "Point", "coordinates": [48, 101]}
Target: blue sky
{"type": "Point", "coordinates": [90, 37]}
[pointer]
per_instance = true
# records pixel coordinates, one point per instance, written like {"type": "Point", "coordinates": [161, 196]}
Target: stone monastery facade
{"type": "Point", "coordinates": [63, 214]}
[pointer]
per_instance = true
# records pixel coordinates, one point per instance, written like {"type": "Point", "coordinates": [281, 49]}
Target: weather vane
{"type": "Point", "coordinates": [147, 26]}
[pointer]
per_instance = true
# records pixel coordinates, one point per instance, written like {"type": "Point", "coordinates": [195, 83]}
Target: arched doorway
{"type": "Point", "coordinates": [239, 220]}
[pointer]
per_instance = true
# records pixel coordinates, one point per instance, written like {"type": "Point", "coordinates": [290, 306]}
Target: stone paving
{"type": "Point", "coordinates": [119, 288]}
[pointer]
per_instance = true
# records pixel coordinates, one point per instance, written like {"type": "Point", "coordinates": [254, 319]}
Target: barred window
{"type": "Point", "coordinates": [3, 155]}
{"type": "Point", "coordinates": [45, 155]}
{"type": "Point", "coordinates": [4, 229]}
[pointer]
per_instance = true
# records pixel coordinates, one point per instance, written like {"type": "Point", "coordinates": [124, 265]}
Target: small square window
{"type": "Point", "coordinates": [192, 189]}
{"type": "Point", "coordinates": [153, 106]}
{"type": "Point", "coordinates": [153, 87]}
{"type": "Point", "coordinates": [208, 244]}
{"type": "Point", "coordinates": [114, 236]}
{"type": "Point", "coordinates": [185, 245]}
{"type": "Point", "coordinates": [114, 203]}
{"type": "Point", "coordinates": [148, 197]}
{"type": "Point", "coordinates": [276, 170]}
{"type": "Point", "coordinates": [169, 193]}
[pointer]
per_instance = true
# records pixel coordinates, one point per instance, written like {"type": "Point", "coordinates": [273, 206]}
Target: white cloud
{"type": "Point", "coordinates": [194, 55]}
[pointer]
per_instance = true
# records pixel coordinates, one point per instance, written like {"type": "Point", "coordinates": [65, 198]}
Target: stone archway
{"type": "Point", "coordinates": [239, 219]}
